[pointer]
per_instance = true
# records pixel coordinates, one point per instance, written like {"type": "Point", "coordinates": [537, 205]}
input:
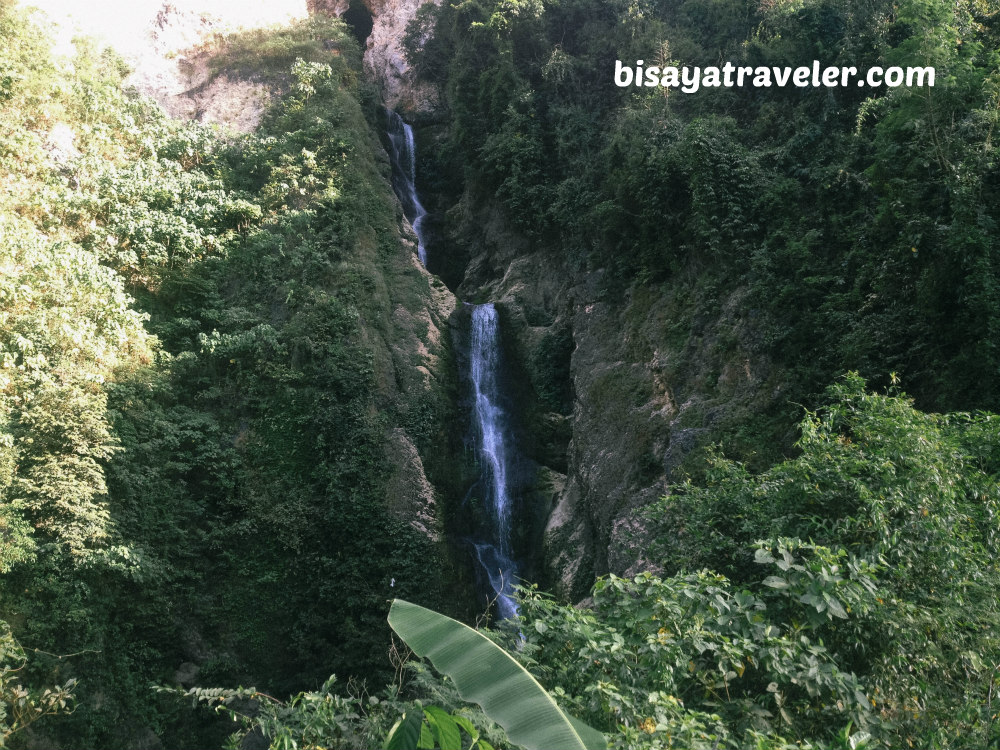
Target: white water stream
{"type": "Point", "coordinates": [491, 428]}
{"type": "Point", "coordinates": [495, 454]}
{"type": "Point", "coordinates": [404, 156]}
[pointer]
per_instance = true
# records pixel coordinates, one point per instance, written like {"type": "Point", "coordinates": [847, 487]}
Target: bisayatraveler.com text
{"type": "Point", "coordinates": [691, 79]}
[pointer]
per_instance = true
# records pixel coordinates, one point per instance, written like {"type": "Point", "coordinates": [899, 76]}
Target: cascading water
{"type": "Point", "coordinates": [492, 428]}
{"type": "Point", "coordinates": [404, 157]}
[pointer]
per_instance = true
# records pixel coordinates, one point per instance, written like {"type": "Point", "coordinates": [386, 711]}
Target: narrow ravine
{"type": "Point", "coordinates": [491, 425]}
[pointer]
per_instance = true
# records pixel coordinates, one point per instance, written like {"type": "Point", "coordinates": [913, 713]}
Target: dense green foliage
{"type": "Point", "coordinates": [194, 412]}
{"type": "Point", "coordinates": [863, 222]}
{"type": "Point", "coordinates": [355, 718]}
{"type": "Point", "coordinates": [913, 495]}
{"type": "Point", "coordinates": [21, 706]}
{"type": "Point", "coordinates": [192, 428]}
{"type": "Point", "coordinates": [883, 626]}
{"type": "Point", "coordinates": [878, 632]}
{"type": "Point", "coordinates": [854, 585]}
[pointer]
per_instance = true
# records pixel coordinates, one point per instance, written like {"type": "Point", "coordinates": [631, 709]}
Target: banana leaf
{"type": "Point", "coordinates": [485, 674]}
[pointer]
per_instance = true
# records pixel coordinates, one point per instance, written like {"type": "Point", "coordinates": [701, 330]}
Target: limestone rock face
{"type": "Point", "coordinates": [329, 7]}
{"type": "Point", "coordinates": [162, 42]}
{"type": "Point", "coordinates": [385, 60]}
{"type": "Point", "coordinates": [412, 355]}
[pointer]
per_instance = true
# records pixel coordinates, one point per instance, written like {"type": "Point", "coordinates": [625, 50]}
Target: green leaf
{"type": "Point", "coordinates": [485, 674]}
{"type": "Point", "coordinates": [467, 725]}
{"type": "Point", "coordinates": [860, 740]}
{"type": "Point", "coordinates": [426, 738]}
{"type": "Point", "coordinates": [444, 727]}
{"type": "Point", "coordinates": [405, 733]}
{"type": "Point", "coordinates": [776, 582]}
{"type": "Point", "coordinates": [835, 607]}
{"type": "Point", "coordinates": [763, 557]}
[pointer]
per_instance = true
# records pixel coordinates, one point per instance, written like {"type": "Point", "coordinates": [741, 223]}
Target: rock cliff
{"type": "Point", "coordinates": [652, 374]}
{"type": "Point", "coordinates": [168, 46]}
{"type": "Point", "coordinates": [386, 62]}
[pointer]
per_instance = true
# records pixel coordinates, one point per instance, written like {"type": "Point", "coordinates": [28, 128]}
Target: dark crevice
{"type": "Point", "coordinates": [359, 18]}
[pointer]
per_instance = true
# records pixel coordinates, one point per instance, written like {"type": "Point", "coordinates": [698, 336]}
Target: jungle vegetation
{"type": "Point", "coordinates": [192, 465]}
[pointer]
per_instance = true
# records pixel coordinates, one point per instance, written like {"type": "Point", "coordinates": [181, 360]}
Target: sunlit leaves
{"type": "Point", "coordinates": [701, 658]}
{"type": "Point", "coordinates": [67, 326]}
{"type": "Point", "coordinates": [906, 502]}
{"type": "Point", "coordinates": [21, 706]}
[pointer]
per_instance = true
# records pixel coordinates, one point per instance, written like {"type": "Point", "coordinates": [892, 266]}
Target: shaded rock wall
{"type": "Point", "coordinates": [653, 373]}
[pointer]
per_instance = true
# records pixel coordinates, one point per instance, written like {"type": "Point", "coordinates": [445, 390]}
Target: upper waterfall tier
{"type": "Point", "coordinates": [404, 157]}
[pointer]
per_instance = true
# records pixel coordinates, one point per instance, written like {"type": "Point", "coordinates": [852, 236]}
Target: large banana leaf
{"type": "Point", "coordinates": [485, 674]}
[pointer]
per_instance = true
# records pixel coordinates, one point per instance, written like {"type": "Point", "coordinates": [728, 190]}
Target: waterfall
{"type": "Point", "coordinates": [404, 158]}
{"type": "Point", "coordinates": [492, 429]}
{"type": "Point", "coordinates": [491, 425]}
